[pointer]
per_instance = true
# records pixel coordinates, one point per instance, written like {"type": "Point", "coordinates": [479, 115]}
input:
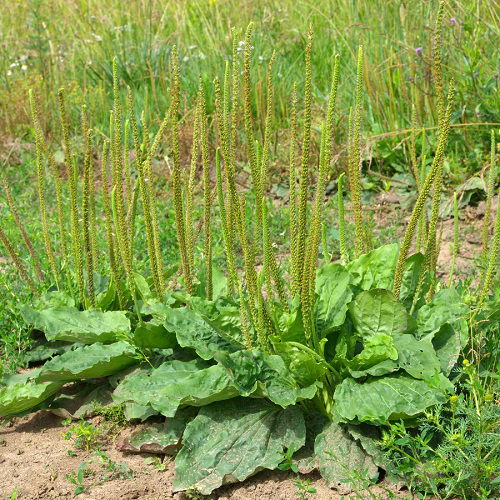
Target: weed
{"type": "Point", "coordinates": [85, 436]}
{"type": "Point", "coordinates": [157, 463]}
{"type": "Point", "coordinates": [77, 478]}
{"type": "Point", "coordinates": [112, 469]}
{"type": "Point", "coordinates": [304, 488]}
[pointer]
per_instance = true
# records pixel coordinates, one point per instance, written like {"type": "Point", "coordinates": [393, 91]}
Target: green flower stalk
{"type": "Point", "coordinates": [344, 255]}
{"type": "Point", "coordinates": [360, 243]}
{"type": "Point", "coordinates": [207, 195]}
{"type": "Point", "coordinates": [304, 173]}
{"type": "Point", "coordinates": [177, 174]}
{"type": "Point", "coordinates": [292, 183]}
{"type": "Point", "coordinates": [423, 194]}
{"type": "Point", "coordinates": [41, 190]}
{"type": "Point", "coordinates": [17, 261]}
{"type": "Point", "coordinates": [455, 238]}
{"type": "Point", "coordinates": [122, 228]}
{"type": "Point", "coordinates": [87, 245]}
{"type": "Point", "coordinates": [20, 226]}
{"type": "Point", "coordinates": [110, 238]}
{"type": "Point", "coordinates": [73, 196]}
{"type": "Point", "coordinates": [492, 267]}
{"type": "Point", "coordinates": [489, 194]}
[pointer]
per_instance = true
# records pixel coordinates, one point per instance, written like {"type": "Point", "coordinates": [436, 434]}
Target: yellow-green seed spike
{"type": "Point", "coordinates": [17, 261]}
{"type": "Point", "coordinates": [292, 183]}
{"type": "Point", "coordinates": [355, 162]}
{"type": "Point", "coordinates": [437, 70]}
{"type": "Point", "coordinates": [118, 178]}
{"type": "Point", "coordinates": [41, 191]}
{"type": "Point", "coordinates": [422, 196]}
{"type": "Point", "coordinates": [148, 181]}
{"type": "Point", "coordinates": [340, 206]}
{"type": "Point", "coordinates": [191, 184]}
{"type": "Point", "coordinates": [492, 267]}
{"type": "Point", "coordinates": [177, 173]}
{"type": "Point", "coordinates": [86, 213]}
{"type": "Point", "coordinates": [304, 173]}
{"type": "Point", "coordinates": [20, 226]}
{"type": "Point", "coordinates": [127, 164]}
{"type": "Point", "coordinates": [412, 147]}
{"type": "Point", "coordinates": [115, 273]}
{"type": "Point", "coordinates": [489, 194]}
{"type": "Point", "coordinates": [207, 194]}
{"type": "Point", "coordinates": [455, 239]}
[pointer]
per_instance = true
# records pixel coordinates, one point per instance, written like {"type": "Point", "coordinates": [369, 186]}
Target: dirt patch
{"type": "Point", "coordinates": [34, 461]}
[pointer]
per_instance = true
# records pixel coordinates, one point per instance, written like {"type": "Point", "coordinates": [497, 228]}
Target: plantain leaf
{"type": "Point", "coordinates": [150, 335]}
{"type": "Point", "coordinates": [174, 383]}
{"type": "Point", "coordinates": [194, 332]}
{"type": "Point", "coordinates": [334, 294]}
{"type": "Point", "coordinates": [70, 324]}
{"type": "Point", "coordinates": [97, 360]}
{"type": "Point", "coordinates": [377, 311]}
{"type": "Point", "coordinates": [22, 396]}
{"type": "Point", "coordinates": [375, 269]}
{"type": "Point", "coordinates": [161, 438]}
{"type": "Point", "coordinates": [341, 458]}
{"type": "Point", "coordinates": [253, 372]}
{"type": "Point", "coordinates": [445, 307]}
{"type": "Point", "coordinates": [231, 440]}
{"type": "Point", "coordinates": [382, 399]}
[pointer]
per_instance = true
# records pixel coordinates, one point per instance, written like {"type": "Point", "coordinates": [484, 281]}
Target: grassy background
{"type": "Point", "coordinates": [71, 43]}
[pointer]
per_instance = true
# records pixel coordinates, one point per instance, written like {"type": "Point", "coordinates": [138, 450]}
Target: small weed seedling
{"type": "Point", "coordinates": [304, 488]}
{"type": "Point", "coordinates": [77, 478]}
{"type": "Point", "coordinates": [157, 463]}
{"type": "Point", "coordinates": [288, 463]}
{"type": "Point", "coordinates": [113, 470]}
{"type": "Point", "coordinates": [85, 435]}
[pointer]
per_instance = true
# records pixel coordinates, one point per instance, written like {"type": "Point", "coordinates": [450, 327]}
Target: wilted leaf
{"type": "Point", "coordinates": [231, 440]}
{"type": "Point", "coordinates": [341, 458]}
{"type": "Point", "coordinates": [96, 360]}
{"type": "Point", "coordinates": [161, 438]}
{"type": "Point", "coordinates": [70, 324]}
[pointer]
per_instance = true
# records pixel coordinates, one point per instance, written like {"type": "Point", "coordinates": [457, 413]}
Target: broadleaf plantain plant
{"type": "Point", "coordinates": [352, 345]}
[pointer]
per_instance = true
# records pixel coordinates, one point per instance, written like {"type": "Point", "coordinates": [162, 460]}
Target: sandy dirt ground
{"type": "Point", "coordinates": [34, 462]}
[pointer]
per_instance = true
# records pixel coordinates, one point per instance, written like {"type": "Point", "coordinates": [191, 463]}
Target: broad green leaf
{"type": "Point", "coordinates": [194, 332]}
{"type": "Point", "coordinates": [375, 269]}
{"type": "Point", "coordinates": [341, 457]}
{"type": "Point", "coordinates": [231, 440]}
{"type": "Point", "coordinates": [378, 311]}
{"type": "Point", "coordinates": [333, 296]}
{"type": "Point", "coordinates": [392, 397]}
{"type": "Point", "coordinates": [290, 324]}
{"type": "Point", "coordinates": [53, 299]}
{"type": "Point", "coordinates": [150, 335]}
{"type": "Point", "coordinates": [163, 439]}
{"type": "Point", "coordinates": [175, 383]}
{"type": "Point", "coordinates": [223, 316]}
{"type": "Point", "coordinates": [446, 343]}
{"type": "Point", "coordinates": [133, 411]}
{"type": "Point", "coordinates": [376, 348]}
{"type": "Point", "coordinates": [303, 367]}
{"type": "Point", "coordinates": [17, 378]}
{"type": "Point", "coordinates": [92, 361]}
{"type": "Point", "coordinates": [44, 350]}
{"type": "Point", "coordinates": [70, 324]}
{"type": "Point", "coordinates": [411, 277]}
{"type": "Point", "coordinates": [258, 373]}
{"type": "Point", "coordinates": [445, 307]}
{"type": "Point", "coordinates": [22, 396]}
{"type": "Point", "coordinates": [417, 357]}
{"type": "Point", "coordinates": [305, 458]}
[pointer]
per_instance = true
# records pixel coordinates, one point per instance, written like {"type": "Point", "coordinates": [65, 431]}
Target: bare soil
{"type": "Point", "coordinates": [34, 462]}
